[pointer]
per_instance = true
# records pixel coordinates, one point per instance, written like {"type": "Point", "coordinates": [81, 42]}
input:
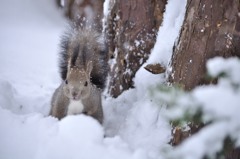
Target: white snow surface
{"type": "Point", "coordinates": [133, 125]}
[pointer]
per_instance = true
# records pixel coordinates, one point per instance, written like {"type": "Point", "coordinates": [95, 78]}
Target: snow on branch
{"type": "Point", "coordinates": [218, 106]}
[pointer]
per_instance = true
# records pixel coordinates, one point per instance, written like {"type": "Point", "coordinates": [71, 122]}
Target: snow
{"type": "Point", "coordinates": [34, 136]}
{"type": "Point", "coordinates": [28, 60]}
{"type": "Point", "coordinates": [106, 11]}
{"type": "Point", "coordinates": [173, 19]}
{"type": "Point", "coordinates": [62, 3]}
{"type": "Point", "coordinates": [162, 50]}
{"type": "Point", "coordinates": [219, 105]}
{"type": "Point", "coordinates": [136, 123]}
{"type": "Point", "coordinates": [220, 65]}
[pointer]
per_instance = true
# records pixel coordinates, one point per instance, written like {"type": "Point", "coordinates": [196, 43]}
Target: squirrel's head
{"type": "Point", "coordinates": [77, 85]}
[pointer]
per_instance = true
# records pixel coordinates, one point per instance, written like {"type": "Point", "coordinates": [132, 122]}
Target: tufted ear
{"type": "Point", "coordinates": [89, 67]}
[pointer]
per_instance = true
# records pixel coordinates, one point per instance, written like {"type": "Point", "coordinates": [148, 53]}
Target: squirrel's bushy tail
{"type": "Point", "coordinates": [79, 45]}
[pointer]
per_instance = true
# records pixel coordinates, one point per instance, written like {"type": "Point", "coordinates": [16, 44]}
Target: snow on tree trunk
{"type": "Point", "coordinates": [131, 28]}
{"type": "Point", "coordinates": [211, 28]}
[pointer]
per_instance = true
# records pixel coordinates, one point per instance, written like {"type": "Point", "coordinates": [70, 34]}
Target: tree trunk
{"type": "Point", "coordinates": [132, 26]}
{"type": "Point", "coordinates": [211, 28]}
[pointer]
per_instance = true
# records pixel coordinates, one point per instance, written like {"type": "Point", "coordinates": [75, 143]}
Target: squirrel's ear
{"type": "Point", "coordinates": [89, 67]}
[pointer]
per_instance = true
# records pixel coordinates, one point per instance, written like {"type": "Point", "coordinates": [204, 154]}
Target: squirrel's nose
{"type": "Point", "coordinates": [74, 94]}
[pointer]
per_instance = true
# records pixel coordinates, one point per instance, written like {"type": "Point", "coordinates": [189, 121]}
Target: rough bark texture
{"type": "Point", "coordinates": [132, 26]}
{"type": "Point", "coordinates": [211, 28]}
{"type": "Point", "coordinates": [84, 11]}
{"type": "Point", "coordinates": [233, 154]}
{"type": "Point", "coordinates": [179, 135]}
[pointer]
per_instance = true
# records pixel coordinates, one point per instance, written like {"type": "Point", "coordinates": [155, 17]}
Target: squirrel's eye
{"type": "Point", "coordinates": [85, 84]}
{"type": "Point", "coordinates": [66, 81]}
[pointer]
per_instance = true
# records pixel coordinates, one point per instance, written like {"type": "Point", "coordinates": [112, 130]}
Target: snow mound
{"type": "Point", "coordinates": [7, 96]}
{"type": "Point", "coordinates": [46, 138]}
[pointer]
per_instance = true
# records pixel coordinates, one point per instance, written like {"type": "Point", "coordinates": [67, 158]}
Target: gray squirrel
{"type": "Point", "coordinates": [84, 68]}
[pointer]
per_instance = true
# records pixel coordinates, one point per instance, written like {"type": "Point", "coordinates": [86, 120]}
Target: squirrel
{"type": "Point", "coordinates": [83, 68]}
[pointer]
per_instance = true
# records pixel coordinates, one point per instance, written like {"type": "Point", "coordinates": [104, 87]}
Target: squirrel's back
{"type": "Point", "coordinates": [79, 46]}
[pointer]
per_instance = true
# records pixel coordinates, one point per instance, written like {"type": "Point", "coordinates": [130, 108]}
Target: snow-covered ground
{"type": "Point", "coordinates": [29, 34]}
{"type": "Point", "coordinates": [133, 125]}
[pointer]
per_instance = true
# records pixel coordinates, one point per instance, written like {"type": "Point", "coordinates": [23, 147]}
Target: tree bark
{"type": "Point", "coordinates": [211, 28]}
{"type": "Point", "coordinates": [132, 26]}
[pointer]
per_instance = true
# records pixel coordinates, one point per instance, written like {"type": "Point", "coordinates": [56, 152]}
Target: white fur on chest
{"type": "Point", "coordinates": [75, 107]}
